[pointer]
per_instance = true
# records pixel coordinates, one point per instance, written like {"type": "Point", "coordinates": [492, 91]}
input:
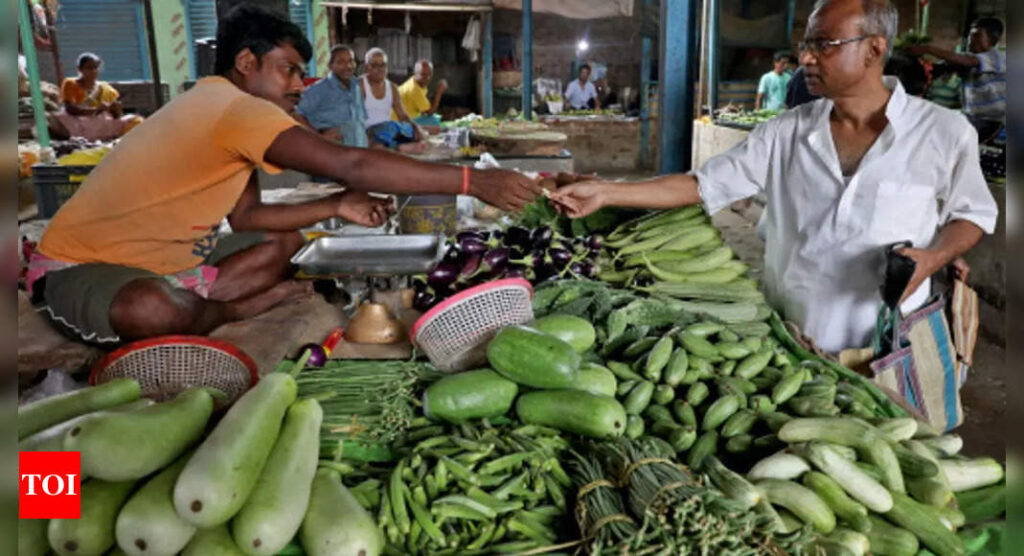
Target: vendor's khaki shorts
{"type": "Point", "coordinates": [77, 299]}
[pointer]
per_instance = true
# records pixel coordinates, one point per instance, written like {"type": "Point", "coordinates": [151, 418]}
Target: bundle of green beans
{"type": "Point", "coordinates": [473, 489]}
{"type": "Point", "coordinates": [364, 401]}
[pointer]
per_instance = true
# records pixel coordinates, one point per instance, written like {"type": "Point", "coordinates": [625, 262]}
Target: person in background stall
{"type": "Point", "coordinates": [845, 176]}
{"type": "Point", "coordinates": [581, 93]}
{"type": "Point", "coordinates": [382, 98]}
{"type": "Point", "coordinates": [771, 89]}
{"type": "Point", "coordinates": [984, 99]}
{"type": "Point", "coordinates": [796, 91]}
{"type": "Point", "coordinates": [91, 106]}
{"type": "Point", "coordinates": [137, 251]}
{"type": "Point", "coordinates": [414, 95]}
{"type": "Point", "coordinates": [334, 105]}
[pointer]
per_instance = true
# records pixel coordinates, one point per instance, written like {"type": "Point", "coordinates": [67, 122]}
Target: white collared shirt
{"type": "Point", "coordinates": [825, 239]}
{"type": "Point", "coordinates": [578, 96]}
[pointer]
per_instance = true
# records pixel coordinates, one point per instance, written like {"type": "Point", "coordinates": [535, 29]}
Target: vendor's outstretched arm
{"type": "Point", "coordinates": [964, 60]}
{"type": "Point", "coordinates": [954, 239]}
{"type": "Point", "coordinates": [384, 172]}
{"type": "Point", "coordinates": [669, 191]}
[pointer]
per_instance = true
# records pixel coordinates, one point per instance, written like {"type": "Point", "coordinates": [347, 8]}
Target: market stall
{"type": "Point", "coordinates": [615, 384]}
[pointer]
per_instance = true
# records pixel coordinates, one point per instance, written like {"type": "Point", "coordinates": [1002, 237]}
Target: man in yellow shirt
{"type": "Point", "coordinates": [135, 252]}
{"type": "Point", "coordinates": [414, 91]}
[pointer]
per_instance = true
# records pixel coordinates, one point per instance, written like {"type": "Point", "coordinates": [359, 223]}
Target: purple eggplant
{"type": "Point", "coordinates": [419, 284]}
{"type": "Point", "coordinates": [588, 270]}
{"type": "Point", "coordinates": [497, 235]}
{"type": "Point", "coordinates": [560, 257]}
{"type": "Point", "coordinates": [516, 272]}
{"type": "Point", "coordinates": [443, 275]}
{"type": "Point", "coordinates": [545, 272]}
{"type": "Point", "coordinates": [451, 255]}
{"type": "Point", "coordinates": [423, 301]}
{"type": "Point", "coordinates": [472, 246]}
{"type": "Point", "coordinates": [541, 237]}
{"type": "Point", "coordinates": [595, 242]}
{"type": "Point", "coordinates": [576, 268]}
{"type": "Point", "coordinates": [516, 253]}
{"type": "Point", "coordinates": [495, 261]}
{"type": "Point", "coordinates": [516, 236]}
{"type": "Point", "coordinates": [471, 234]}
{"type": "Point", "coordinates": [317, 355]}
{"type": "Point", "coordinates": [470, 267]}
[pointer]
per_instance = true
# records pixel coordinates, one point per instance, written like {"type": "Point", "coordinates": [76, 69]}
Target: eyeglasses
{"type": "Point", "coordinates": [377, 65]}
{"type": "Point", "coordinates": [824, 46]}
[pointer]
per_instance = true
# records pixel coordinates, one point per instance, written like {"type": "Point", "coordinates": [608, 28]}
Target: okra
{"type": "Point", "coordinates": [511, 485]}
{"type": "Point", "coordinates": [398, 508]}
{"type": "Point", "coordinates": [504, 462]}
{"type": "Point", "coordinates": [422, 516]}
{"type": "Point", "coordinates": [460, 471]}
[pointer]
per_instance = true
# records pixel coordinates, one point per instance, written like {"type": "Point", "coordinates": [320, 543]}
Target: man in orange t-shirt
{"type": "Point", "coordinates": [135, 253]}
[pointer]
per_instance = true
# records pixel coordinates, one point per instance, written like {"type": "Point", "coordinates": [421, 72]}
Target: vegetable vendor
{"type": "Point", "coordinates": [136, 251]}
{"type": "Point", "coordinates": [414, 95]}
{"type": "Point", "coordinates": [985, 84]}
{"type": "Point", "coordinates": [334, 105]}
{"type": "Point", "coordinates": [581, 93]}
{"type": "Point", "coordinates": [91, 107]}
{"type": "Point", "coordinates": [845, 176]}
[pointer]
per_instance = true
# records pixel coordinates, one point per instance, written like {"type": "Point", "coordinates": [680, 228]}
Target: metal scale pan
{"type": "Point", "coordinates": [369, 255]}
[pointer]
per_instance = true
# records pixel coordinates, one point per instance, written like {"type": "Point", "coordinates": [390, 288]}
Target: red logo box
{"type": "Point", "coordinates": [49, 485]}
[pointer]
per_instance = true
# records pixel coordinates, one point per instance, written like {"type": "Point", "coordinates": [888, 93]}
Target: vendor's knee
{"type": "Point", "coordinates": [152, 307]}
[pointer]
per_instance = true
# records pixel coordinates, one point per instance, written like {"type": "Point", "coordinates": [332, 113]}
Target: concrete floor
{"type": "Point", "coordinates": [983, 395]}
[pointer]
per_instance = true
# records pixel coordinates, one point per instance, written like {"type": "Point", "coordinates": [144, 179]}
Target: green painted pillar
{"type": "Point", "coordinates": [28, 46]}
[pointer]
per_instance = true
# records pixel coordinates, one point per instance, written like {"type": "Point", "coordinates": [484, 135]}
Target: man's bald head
{"type": "Point", "coordinates": [847, 44]}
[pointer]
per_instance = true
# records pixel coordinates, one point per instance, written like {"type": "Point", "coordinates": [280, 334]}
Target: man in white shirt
{"type": "Point", "coordinates": [846, 175]}
{"type": "Point", "coordinates": [581, 94]}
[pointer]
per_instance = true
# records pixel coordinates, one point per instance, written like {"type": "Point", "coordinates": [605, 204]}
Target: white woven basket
{"type": "Point", "coordinates": [454, 334]}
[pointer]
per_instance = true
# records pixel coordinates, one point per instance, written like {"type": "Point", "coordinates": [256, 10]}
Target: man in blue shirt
{"type": "Point", "coordinates": [334, 105]}
{"type": "Point", "coordinates": [771, 90]}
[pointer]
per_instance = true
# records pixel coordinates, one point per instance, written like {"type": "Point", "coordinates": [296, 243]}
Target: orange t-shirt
{"type": "Point", "coordinates": [156, 200]}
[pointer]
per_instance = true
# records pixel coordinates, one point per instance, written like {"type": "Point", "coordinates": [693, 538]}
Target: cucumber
{"type": "Point", "coordinates": [479, 394]}
{"type": "Point", "coordinates": [93, 533]}
{"type": "Point", "coordinates": [221, 474]}
{"type": "Point", "coordinates": [920, 521]}
{"type": "Point", "coordinates": [888, 540]}
{"type": "Point", "coordinates": [800, 500]}
{"type": "Point", "coordinates": [704, 446]}
{"type": "Point", "coordinates": [148, 523]}
{"type": "Point", "coordinates": [573, 330]}
{"type": "Point", "coordinates": [215, 541]}
{"type": "Point", "coordinates": [128, 446]}
{"type": "Point", "coordinates": [845, 508]}
{"type": "Point", "coordinates": [639, 398]}
{"type": "Point", "coordinates": [676, 369]}
{"type": "Point", "coordinates": [776, 420]}
{"type": "Point", "coordinates": [972, 474]}
{"type": "Point", "coordinates": [740, 423]}
{"type": "Point", "coordinates": [854, 481]}
{"type": "Point", "coordinates": [719, 412]}
{"type": "Point", "coordinates": [983, 503]}
{"type": "Point", "coordinates": [897, 429]}
{"type": "Point", "coordinates": [532, 358]}
{"type": "Point", "coordinates": [732, 484]}
{"type": "Point", "coordinates": [781, 465]}
{"type": "Point", "coordinates": [52, 438]}
{"type": "Point", "coordinates": [274, 511]}
{"type": "Point", "coordinates": [595, 379]}
{"type": "Point", "coordinates": [837, 430]}
{"type": "Point", "coordinates": [930, 491]}
{"type": "Point", "coordinates": [853, 541]}
{"type": "Point", "coordinates": [572, 411]}
{"type": "Point", "coordinates": [32, 537]}
{"type": "Point", "coordinates": [335, 524]}
{"type": "Point", "coordinates": [36, 416]}
{"type": "Point", "coordinates": [912, 464]}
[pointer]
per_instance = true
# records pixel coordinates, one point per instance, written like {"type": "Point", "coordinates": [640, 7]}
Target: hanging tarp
{"type": "Point", "coordinates": [576, 9]}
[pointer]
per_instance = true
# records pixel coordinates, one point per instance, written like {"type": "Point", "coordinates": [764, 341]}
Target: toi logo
{"type": "Point", "coordinates": [49, 485]}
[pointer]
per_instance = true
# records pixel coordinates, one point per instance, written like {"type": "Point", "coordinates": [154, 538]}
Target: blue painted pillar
{"type": "Point", "coordinates": [790, 22]}
{"type": "Point", "coordinates": [527, 59]}
{"type": "Point", "coordinates": [488, 62]}
{"type": "Point", "coordinates": [675, 84]}
{"type": "Point", "coordinates": [28, 46]}
{"type": "Point", "coordinates": [714, 30]}
{"type": "Point", "coordinates": [646, 46]}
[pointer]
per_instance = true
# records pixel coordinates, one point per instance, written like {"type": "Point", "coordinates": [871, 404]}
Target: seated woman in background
{"type": "Point", "coordinates": [91, 108]}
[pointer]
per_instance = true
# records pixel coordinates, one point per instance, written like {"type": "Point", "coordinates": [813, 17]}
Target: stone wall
{"type": "Point", "coordinates": [605, 145]}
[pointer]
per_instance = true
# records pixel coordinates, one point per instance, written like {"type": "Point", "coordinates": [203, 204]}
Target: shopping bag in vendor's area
{"type": "Point", "coordinates": [919, 362]}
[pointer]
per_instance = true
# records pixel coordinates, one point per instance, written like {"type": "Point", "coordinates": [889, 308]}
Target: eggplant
{"type": "Point", "coordinates": [317, 355]}
{"type": "Point", "coordinates": [516, 272]}
{"type": "Point", "coordinates": [541, 237]}
{"type": "Point", "coordinates": [516, 236]}
{"type": "Point", "coordinates": [471, 234]}
{"type": "Point", "coordinates": [560, 257]}
{"type": "Point", "coordinates": [497, 235]}
{"type": "Point", "coordinates": [472, 246]}
{"type": "Point", "coordinates": [443, 275]}
{"type": "Point", "coordinates": [516, 253]}
{"type": "Point", "coordinates": [451, 255]}
{"type": "Point", "coordinates": [545, 272]}
{"type": "Point", "coordinates": [495, 261]}
{"type": "Point", "coordinates": [595, 242]}
{"type": "Point", "coordinates": [419, 284]}
{"type": "Point", "coordinates": [423, 301]}
{"type": "Point", "coordinates": [470, 267]}
{"type": "Point", "coordinates": [588, 270]}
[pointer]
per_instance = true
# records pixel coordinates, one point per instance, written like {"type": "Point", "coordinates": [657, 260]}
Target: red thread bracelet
{"type": "Point", "coordinates": [465, 180]}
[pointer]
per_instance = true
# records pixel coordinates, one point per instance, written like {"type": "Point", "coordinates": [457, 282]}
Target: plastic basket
{"type": "Point", "coordinates": [555, 106]}
{"type": "Point", "coordinates": [455, 333]}
{"type": "Point", "coordinates": [55, 184]}
{"type": "Point", "coordinates": [167, 365]}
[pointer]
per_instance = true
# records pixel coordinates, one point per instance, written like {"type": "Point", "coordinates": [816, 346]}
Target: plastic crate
{"type": "Point", "coordinates": [55, 184]}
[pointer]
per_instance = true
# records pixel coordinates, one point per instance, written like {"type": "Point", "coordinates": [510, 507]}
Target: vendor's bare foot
{"type": "Point", "coordinates": [287, 291]}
